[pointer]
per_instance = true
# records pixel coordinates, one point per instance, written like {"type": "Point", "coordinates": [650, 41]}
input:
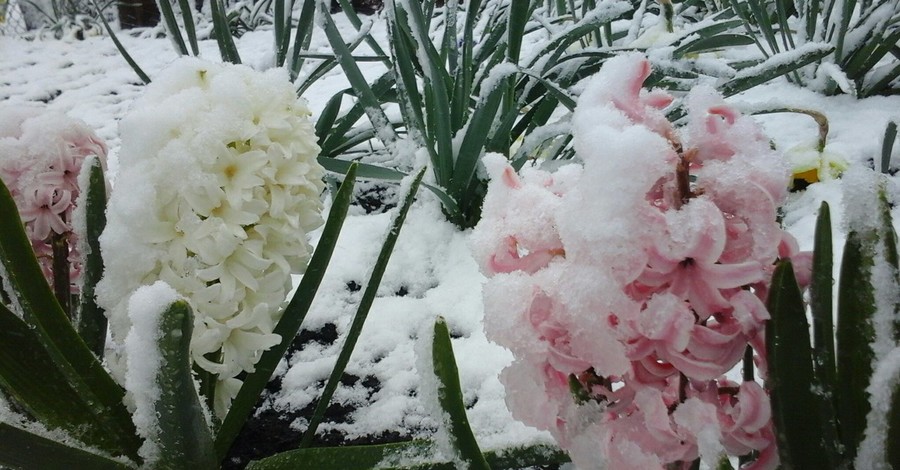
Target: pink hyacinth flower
{"type": "Point", "coordinates": [689, 266]}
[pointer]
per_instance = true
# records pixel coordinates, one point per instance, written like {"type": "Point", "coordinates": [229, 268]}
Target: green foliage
{"type": "Point", "coordinates": [362, 312]}
{"type": "Point", "coordinates": [829, 389]}
{"type": "Point", "coordinates": [57, 350]}
{"type": "Point", "coordinates": [184, 439]}
{"type": "Point", "coordinates": [863, 46]}
{"type": "Point", "coordinates": [451, 399]}
{"type": "Point", "coordinates": [90, 318]}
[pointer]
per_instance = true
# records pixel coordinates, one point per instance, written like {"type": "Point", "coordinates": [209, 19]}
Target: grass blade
{"type": "Point", "coordinates": [791, 379]}
{"type": "Point", "coordinates": [22, 449]}
{"type": "Point", "coordinates": [91, 320]}
{"type": "Point", "coordinates": [451, 399]}
{"type": "Point", "coordinates": [290, 322]}
{"type": "Point", "coordinates": [362, 311]}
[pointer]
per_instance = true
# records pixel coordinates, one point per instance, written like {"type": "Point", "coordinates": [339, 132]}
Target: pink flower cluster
{"type": "Point", "coordinates": [41, 154]}
{"type": "Point", "coordinates": [628, 286]}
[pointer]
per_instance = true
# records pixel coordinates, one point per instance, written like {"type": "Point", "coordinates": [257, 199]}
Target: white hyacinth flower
{"type": "Point", "coordinates": [217, 188]}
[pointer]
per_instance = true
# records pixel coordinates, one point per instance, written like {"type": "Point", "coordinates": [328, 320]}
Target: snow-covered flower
{"type": "Point", "coordinates": [41, 156]}
{"type": "Point", "coordinates": [217, 188]}
{"type": "Point", "coordinates": [628, 286]}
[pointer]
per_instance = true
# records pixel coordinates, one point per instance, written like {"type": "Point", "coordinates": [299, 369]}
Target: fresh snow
{"type": "Point", "coordinates": [432, 263]}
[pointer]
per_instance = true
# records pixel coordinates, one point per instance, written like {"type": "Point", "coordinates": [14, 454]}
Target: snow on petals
{"type": "Point", "coordinates": [41, 156]}
{"type": "Point", "coordinates": [626, 292]}
{"type": "Point", "coordinates": [217, 188]}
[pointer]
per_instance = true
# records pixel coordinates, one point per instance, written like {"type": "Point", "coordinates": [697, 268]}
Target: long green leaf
{"type": "Point", "coordinates": [291, 319]}
{"type": "Point", "coordinates": [451, 399]}
{"type": "Point", "coordinates": [184, 439]}
{"type": "Point", "coordinates": [134, 66]}
{"type": "Point", "coordinates": [436, 90]}
{"type": "Point", "coordinates": [821, 304]}
{"type": "Point", "coordinates": [373, 456]}
{"type": "Point", "coordinates": [303, 36]}
{"type": "Point", "coordinates": [362, 312]}
{"type": "Point", "coordinates": [364, 92]}
{"type": "Point", "coordinates": [25, 450]}
{"type": "Point", "coordinates": [188, 17]}
{"type": "Point", "coordinates": [222, 32]}
{"type": "Point", "coordinates": [172, 28]}
{"type": "Point", "coordinates": [801, 443]}
{"type": "Point", "coordinates": [30, 293]}
{"type": "Point", "coordinates": [281, 28]}
{"type": "Point", "coordinates": [721, 41]}
{"type": "Point", "coordinates": [37, 384]}
{"type": "Point", "coordinates": [772, 68]}
{"type": "Point", "coordinates": [855, 333]}
{"type": "Point", "coordinates": [91, 322]}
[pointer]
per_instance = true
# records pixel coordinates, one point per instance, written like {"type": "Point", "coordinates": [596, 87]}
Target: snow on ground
{"type": "Point", "coordinates": [432, 272]}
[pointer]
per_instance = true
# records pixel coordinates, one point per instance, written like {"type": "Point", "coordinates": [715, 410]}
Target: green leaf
{"type": "Point", "coordinates": [436, 89]}
{"type": "Point", "coordinates": [290, 322]}
{"type": "Point", "coordinates": [22, 449]}
{"type": "Point", "coordinates": [184, 439]}
{"type": "Point", "coordinates": [893, 431]}
{"type": "Point", "coordinates": [222, 32]}
{"type": "Point", "coordinates": [36, 383]}
{"type": "Point", "coordinates": [801, 443]}
{"type": "Point", "coordinates": [29, 292]}
{"type": "Point", "coordinates": [303, 36]}
{"type": "Point", "coordinates": [91, 320]}
{"type": "Point", "coordinates": [821, 305]}
{"type": "Point", "coordinates": [887, 146]}
{"type": "Point", "coordinates": [855, 333]}
{"type": "Point", "coordinates": [371, 456]}
{"type": "Point", "coordinates": [721, 41]}
{"type": "Point", "coordinates": [134, 66]}
{"type": "Point", "coordinates": [365, 304]}
{"type": "Point", "coordinates": [451, 399]}
{"type": "Point", "coordinates": [774, 67]}
{"type": "Point", "coordinates": [172, 28]}
{"type": "Point", "coordinates": [368, 99]}
{"type": "Point", "coordinates": [189, 28]}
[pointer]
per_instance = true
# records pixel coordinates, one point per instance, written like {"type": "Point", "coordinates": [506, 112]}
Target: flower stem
{"type": "Point", "coordinates": [61, 280]}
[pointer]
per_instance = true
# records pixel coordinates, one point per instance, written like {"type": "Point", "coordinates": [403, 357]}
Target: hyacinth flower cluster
{"type": "Point", "coordinates": [628, 286]}
{"type": "Point", "coordinates": [217, 188]}
{"type": "Point", "coordinates": [41, 156]}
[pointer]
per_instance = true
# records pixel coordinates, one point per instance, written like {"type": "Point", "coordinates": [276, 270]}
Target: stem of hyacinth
{"type": "Point", "coordinates": [747, 372]}
{"type": "Point", "coordinates": [61, 279]}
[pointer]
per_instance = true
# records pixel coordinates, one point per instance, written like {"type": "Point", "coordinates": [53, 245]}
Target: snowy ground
{"type": "Point", "coordinates": [432, 272]}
